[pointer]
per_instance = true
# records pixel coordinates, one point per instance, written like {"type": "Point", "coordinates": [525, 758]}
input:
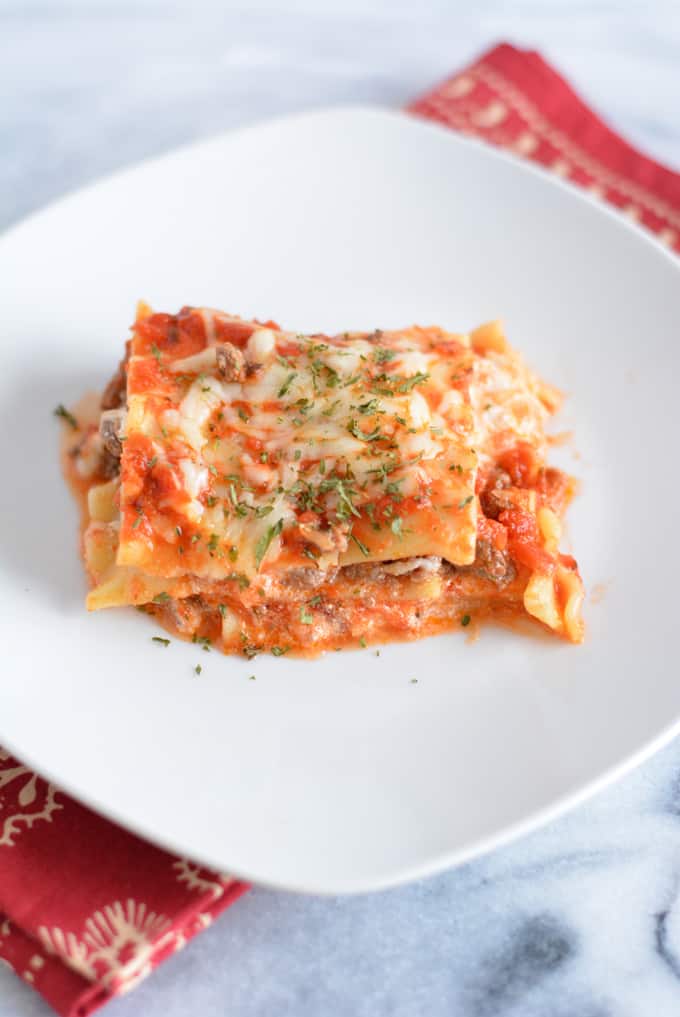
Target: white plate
{"type": "Point", "coordinates": [340, 774]}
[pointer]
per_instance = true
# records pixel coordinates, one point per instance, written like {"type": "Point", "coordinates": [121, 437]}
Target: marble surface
{"type": "Point", "coordinates": [581, 918]}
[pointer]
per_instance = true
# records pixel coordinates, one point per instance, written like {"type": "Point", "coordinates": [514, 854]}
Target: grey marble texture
{"type": "Point", "coordinates": [581, 919]}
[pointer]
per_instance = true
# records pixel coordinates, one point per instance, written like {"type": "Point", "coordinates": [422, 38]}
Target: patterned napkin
{"type": "Point", "coordinates": [512, 98]}
{"type": "Point", "coordinates": [86, 909]}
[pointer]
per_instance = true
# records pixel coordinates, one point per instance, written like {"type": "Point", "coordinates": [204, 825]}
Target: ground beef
{"type": "Point", "coordinates": [230, 362]}
{"type": "Point", "coordinates": [492, 497]}
{"type": "Point", "coordinates": [377, 571]}
{"type": "Point", "coordinates": [186, 614]}
{"type": "Point", "coordinates": [114, 394]}
{"type": "Point", "coordinates": [303, 579]}
{"type": "Point", "coordinates": [492, 564]}
{"type": "Point", "coordinates": [109, 465]}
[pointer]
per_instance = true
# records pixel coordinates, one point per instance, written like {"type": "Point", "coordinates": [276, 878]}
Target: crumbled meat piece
{"type": "Point", "coordinates": [109, 465]}
{"type": "Point", "coordinates": [114, 395]}
{"type": "Point", "coordinates": [491, 497]}
{"type": "Point", "coordinates": [110, 429]}
{"type": "Point", "coordinates": [376, 571]}
{"type": "Point", "coordinates": [230, 362]}
{"type": "Point", "coordinates": [186, 614]}
{"type": "Point", "coordinates": [303, 579]}
{"type": "Point", "coordinates": [492, 564]}
{"type": "Point", "coordinates": [496, 501]}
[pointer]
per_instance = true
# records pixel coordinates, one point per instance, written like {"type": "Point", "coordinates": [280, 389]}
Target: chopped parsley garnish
{"type": "Point", "coordinates": [362, 643]}
{"type": "Point", "coordinates": [160, 640]}
{"type": "Point", "coordinates": [211, 501]}
{"type": "Point", "coordinates": [232, 553]}
{"type": "Point", "coordinates": [62, 412]}
{"type": "Point", "coordinates": [286, 385]}
{"type": "Point", "coordinates": [465, 620]}
{"type": "Point", "coordinates": [369, 509]}
{"type": "Point", "coordinates": [265, 540]}
{"type": "Point", "coordinates": [156, 352]}
{"type": "Point", "coordinates": [315, 601]}
{"type": "Point", "coordinates": [387, 467]}
{"type": "Point", "coordinates": [263, 510]}
{"type": "Point", "coordinates": [305, 617]}
{"type": "Point", "coordinates": [409, 383]}
{"type": "Point", "coordinates": [413, 681]}
{"type": "Point", "coordinates": [333, 379]}
{"type": "Point", "coordinates": [362, 547]}
{"type": "Point", "coordinates": [395, 526]}
{"type": "Point", "coordinates": [278, 651]}
{"type": "Point", "coordinates": [465, 501]}
{"type": "Point", "coordinates": [243, 415]}
{"type": "Point", "coordinates": [356, 431]}
{"type": "Point", "coordinates": [198, 669]}
{"type": "Point", "coordinates": [222, 609]}
{"type": "Point", "coordinates": [297, 454]}
{"type": "Point", "coordinates": [213, 543]}
{"type": "Point", "coordinates": [251, 678]}
{"type": "Point", "coordinates": [337, 484]}
{"type": "Point", "coordinates": [382, 356]}
{"type": "Point", "coordinates": [264, 456]}
{"type": "Point", "coordinates": [161, 598]}
{"type": "Point", "coordinates": [372, 406]}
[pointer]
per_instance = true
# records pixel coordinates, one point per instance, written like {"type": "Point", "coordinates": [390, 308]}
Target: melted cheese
{"type": "Point", "coordinates": [331, 451]}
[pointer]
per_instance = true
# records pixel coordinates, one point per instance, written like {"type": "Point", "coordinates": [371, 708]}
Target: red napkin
{"type": "Point", "coordinates": [87, 909]}
{"type": "Point", "coordinates": [512, 98]}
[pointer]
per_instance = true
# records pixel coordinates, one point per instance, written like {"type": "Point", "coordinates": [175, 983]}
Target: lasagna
{"type": "Point", "coordinates": [266, 491]}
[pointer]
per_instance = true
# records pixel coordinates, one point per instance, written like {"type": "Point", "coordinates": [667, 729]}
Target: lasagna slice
{"type": "Point", "coordinates": [271, 491]}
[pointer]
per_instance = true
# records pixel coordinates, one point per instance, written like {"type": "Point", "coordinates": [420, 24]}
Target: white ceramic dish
{"type": "Point", "coordinates": [340, 774]}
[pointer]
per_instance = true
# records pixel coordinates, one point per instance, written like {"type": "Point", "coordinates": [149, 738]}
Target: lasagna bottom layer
{"type": "Point", "coordinates": [382, 610]}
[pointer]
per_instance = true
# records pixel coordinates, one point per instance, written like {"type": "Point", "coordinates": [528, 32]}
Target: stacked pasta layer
{"type": "Point", "coordinates": [270, 491]}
